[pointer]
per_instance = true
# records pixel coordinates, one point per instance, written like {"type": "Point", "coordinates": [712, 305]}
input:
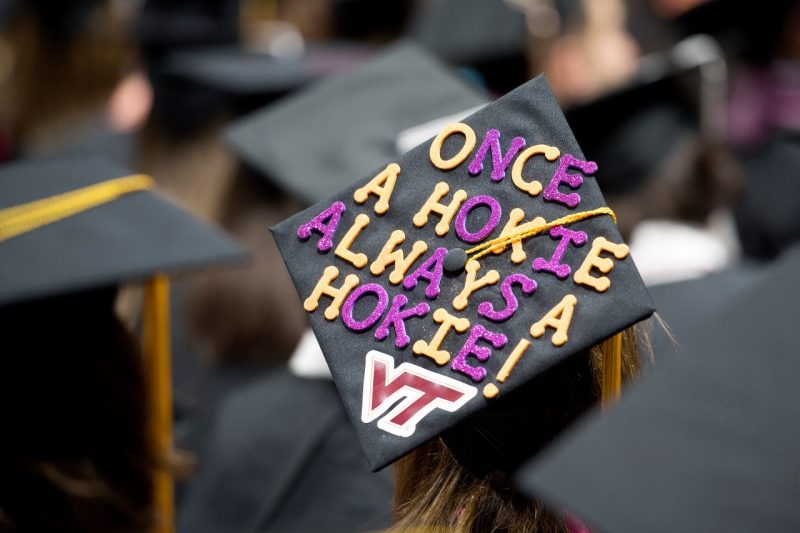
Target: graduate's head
{"type": "Point", "coordinates": [464, 281]}
{"type": "Point", "coordinates": [83, 447]}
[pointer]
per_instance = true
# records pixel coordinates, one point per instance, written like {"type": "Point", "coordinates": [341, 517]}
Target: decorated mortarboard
{"type": "Point", "coordinates": [323, 138]}
{"type": "Point", "coordinates": [69, 224]}
{"type": "Point", "coordinates": [460, 271]}
{"type": "Point", "coordinates": [705, 443]}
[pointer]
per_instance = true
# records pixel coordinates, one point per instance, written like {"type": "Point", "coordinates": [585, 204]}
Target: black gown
{"type": "Point", "coordinates": [282, 456]}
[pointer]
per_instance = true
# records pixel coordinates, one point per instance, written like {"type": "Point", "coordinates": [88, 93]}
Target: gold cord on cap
{"type": "Point", "coordinates": [503, 241]}
{"type": "Point", "coordinates": [27, 217]}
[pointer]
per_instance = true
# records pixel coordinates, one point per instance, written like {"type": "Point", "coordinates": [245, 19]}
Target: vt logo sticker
{"type": "Point", "coordinates": [421, 392]}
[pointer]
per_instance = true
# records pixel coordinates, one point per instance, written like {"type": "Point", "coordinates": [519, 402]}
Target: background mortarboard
{"type": "Point", "coordinates": [707, 443]}
{"type": "Point", "coordinates": [630, 131]}
{"type": "Point", "coordinates": [314, 143]}
{"type": "Point", "coordinates": [60, 19]}
{"type": "Point", "coordinates": [766, 232]}
{"type": "Point", "coordinates": [529, 111]}
{"type": "Point", "coordinates": [123, 240]}
{"type": "Point", "coordinates": [741, 30]}
{"type": "Point", "coordinates": [245, 80]}
{"type": "Point", "coordinates": [660, 106]}
{"type": "Point", "coordinates": [98, 238]}
{"type": "Point", "coordinates": [488, 35]}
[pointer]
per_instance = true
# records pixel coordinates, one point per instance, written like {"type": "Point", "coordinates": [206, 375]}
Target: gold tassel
{"type": "Point", "coordinates": [157, 361]}
{"type": "Point", "coordinates": [612, 370]}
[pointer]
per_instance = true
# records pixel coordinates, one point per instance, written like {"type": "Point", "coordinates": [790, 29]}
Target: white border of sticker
{"type": "Point", "coordinates": [410, 394]}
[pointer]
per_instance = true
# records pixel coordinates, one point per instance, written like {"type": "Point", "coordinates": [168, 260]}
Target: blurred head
{"type": "Point", "coordinates": [59, 63]}
{"type": "Point", "coordinates": [461, 482]}
{"type": "Point", "coordinates": [75, 453]}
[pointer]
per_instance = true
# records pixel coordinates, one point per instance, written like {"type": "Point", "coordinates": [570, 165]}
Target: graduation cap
{"type": "Point", "coordinates": [765, 233]}
{"type": "Point", "coordinates": [73, 224]}
{"type": "Point", "coordinates": [60, 19]}
{"type": "Point", "coordinates": [709, 442]}
{"type": "Point", "coordinates": [741, 30]}
{"type": "Point", "coordinates": [641, 124]}
{"type": "Point", "coordinates": [104, 225]}
{"type": "Point", "coordinates": [452, 276]}
{"type": "Point", "coordinates": [321, 139]}
{"type": "Point", "coordinates": [247, 79]}
{"type": "Point", "coordinates": [488, 35]}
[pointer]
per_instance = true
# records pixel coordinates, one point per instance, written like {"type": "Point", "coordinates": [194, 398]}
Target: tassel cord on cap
{"type": "Point", "coordinates": [503, 241]}
{"type": "Point", "coordinates": [612, 347]}
{"type": "Point", "coordinates": [24, 218]}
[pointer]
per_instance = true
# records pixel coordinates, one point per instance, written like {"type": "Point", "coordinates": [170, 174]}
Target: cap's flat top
{"type": "Point", "coordinates": [354, 353]}
{"type": "Point", "coordinates": [471, 31]}
{"type": "Point", "coordinates": [317, 141]}
{"type": "Point", "coordinates": [125, 239]}
{"type": "Point", "coordinates": [709, 442]}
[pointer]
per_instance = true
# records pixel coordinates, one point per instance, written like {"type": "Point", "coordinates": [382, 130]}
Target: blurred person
{"type": "Point", "coordinates": [287, 429]}
{"type": "Point", "coordinates": [84, 446]}
{"type": "Point", "coordinates": [63, 84]}
{"type": "Point", "coordinates": [204, 74]}
{"type": "Point", "coordinates": [763, 111]}
{"type": "Point", "coordinates": [457, 416]}
{"type": "Point", "coordinates": [451, 483]}
{"type": "Point", "coordinates": [583, 46]}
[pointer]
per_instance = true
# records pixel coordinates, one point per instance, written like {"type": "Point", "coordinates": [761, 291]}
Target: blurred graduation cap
{"type": "Point", "coordinates": [72, 224]}
{"type": "Point", "coordinates": [243, 80]}
{"type": "Point", "coordinates": [60, 19]}
{"type": "Point", "coordinates": [75, 223]}
{"type": "Point", "coordinates": [490, 36]}
{"type": "Point", "coordinates": [629, 133]}
{"type": "Point", "coordinates": [709, 442]}
{"type": "Point", "coordinates": [314, 143]}
{"type": "Point", "coordinates": [765, 233]}
{"type": "Point", "coordinates": [199, 68]}
{"type": "Point", "coordinates": [742, 30]}
{"type": "Point", "coordinates": [642, 121]}
{"type": "Point", "coordinates": [449, 278]}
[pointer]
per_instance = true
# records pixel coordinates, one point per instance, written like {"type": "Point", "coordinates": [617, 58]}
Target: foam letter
{"type": "Point", "coordinates": [381, 186]}
{"type": "Point", "coordinates": [557, 318]}
{"type": "Point", "coordinates": [603, 264]}
{"type": "Point", "coordinates": [389, 254]}
{"type": "Point", "coordinates": [447, 212]}
{"type": "Point", "coordinates": [324, 287]}
{"type": "Point", "coordinates": [397, 318]}
{"type": "Point", "coordinates": [431, 349]}
{"type": "Point", "coordinates": [499, 163]}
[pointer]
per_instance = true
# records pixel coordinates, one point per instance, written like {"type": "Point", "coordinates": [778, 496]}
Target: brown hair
{"type": "Point", "coordinates": [251, 313]}
{"type": "Point", "coordinates": [448, 485]}
{"type": "Point", "coordinates": [47, 82]}
{"type": "Point", "coordinates": [75, 453]}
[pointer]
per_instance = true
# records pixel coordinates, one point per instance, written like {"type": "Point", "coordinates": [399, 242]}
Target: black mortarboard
{"type": "Point", "coordinates": [764, 233]}
{"type": "Point", "coordinates": [416, 340]}
{"type": "Point", "coordinates": [249, 79]}
{"type": "Point", "coordinates": [489, 35]}
{"type": "Point", "coordinates": [741, 29]}
{"type": "Point", "coordinates": [644, 120]}
{"type": "Point", "coordinates": [60, 19]}
{"type": "Point", "coordinates": [123, 238]}
{"type": "Point", "coordinates": [73, 225]}
{"type": "Point", "coordinates": [315, 142]}
{"type": "Point", "coordinates": [629, 132]}
{"type": "Point", "coordinates": [709, 442]}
